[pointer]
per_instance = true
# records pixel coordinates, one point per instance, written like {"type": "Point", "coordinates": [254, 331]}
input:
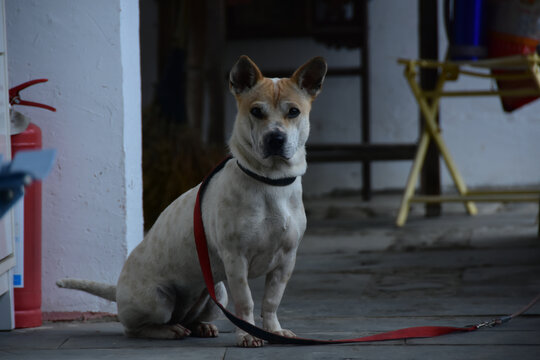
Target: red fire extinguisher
{"type": "Point", "coordinates": [27, 280]}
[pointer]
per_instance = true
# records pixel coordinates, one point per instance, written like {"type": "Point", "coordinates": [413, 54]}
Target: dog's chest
{"type": "Point", "coordinates": [266, 230]}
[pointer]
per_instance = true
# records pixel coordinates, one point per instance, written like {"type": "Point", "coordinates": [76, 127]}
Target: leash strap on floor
{"type": "Point", "coordinates": [407, 333]}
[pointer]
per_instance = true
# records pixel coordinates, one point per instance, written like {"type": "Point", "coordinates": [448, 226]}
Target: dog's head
{"type": "Point", "coordinates": [272, 124]}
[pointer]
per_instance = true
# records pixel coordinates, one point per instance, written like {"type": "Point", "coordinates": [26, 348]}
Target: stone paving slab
{"type": "Point", "coordinates": [485, 337]}
{"type": "Point", "coordinates": [408, 307]}
{"type": "Point", "coordinates": [437, 258]}
{"type": "Point", "coordinates": [387, 352]}
{"type": "Point", "coordinates": [196, 353]}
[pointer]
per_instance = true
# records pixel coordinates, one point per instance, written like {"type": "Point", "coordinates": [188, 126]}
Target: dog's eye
{"type": "Point", "coordinates": [293, 112]}
{"type": "Point", "coordinates": [257, 112]}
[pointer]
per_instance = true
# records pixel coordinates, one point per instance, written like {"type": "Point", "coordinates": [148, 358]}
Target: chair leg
{"type": "Point", "coordinates": [413, 179]}
{"type": "Point", "coordinates": [454, 172]}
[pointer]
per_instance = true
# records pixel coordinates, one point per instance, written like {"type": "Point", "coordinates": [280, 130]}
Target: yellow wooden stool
{"type": "Point", "coordinates": [428, 101]}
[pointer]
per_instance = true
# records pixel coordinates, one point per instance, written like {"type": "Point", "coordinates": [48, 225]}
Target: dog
{"type": "Point", "coordinates": [253, 225]}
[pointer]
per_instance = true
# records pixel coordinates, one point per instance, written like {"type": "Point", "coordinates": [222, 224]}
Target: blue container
{"type": "Point", "coordinates": [466, 27]}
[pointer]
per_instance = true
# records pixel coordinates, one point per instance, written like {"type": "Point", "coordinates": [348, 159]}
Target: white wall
{"type": "Point", "coordinates": [489, 146]}
{"type": "Point", "coordinates": [92, 200]}
{"type": "Point", "coordinates": [132, 137]}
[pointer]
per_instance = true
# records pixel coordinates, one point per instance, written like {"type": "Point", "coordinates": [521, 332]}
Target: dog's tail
{"type": "Point", "coordinates": [102, 290]}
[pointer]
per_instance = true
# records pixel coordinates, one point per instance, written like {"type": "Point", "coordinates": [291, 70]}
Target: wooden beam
{"type": "Point", "coordinates": [429, 49]}
{"type": "Point", "coordinates": [365, 99]}
{"type": "Point", "coordinates": [477, 198]}
{"type": "Point", "coordinates": [359, 152]}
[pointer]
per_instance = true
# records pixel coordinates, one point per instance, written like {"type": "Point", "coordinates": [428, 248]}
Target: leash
{"type": "Point", "coordinates": [407, 333]}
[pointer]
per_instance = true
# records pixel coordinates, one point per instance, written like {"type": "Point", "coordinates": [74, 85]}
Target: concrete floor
{"type": "Point", "coordinates": [357, 274]}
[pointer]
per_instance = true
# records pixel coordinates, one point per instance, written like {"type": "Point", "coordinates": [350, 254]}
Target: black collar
{"type": "Point", "coordinates": [274, 182]}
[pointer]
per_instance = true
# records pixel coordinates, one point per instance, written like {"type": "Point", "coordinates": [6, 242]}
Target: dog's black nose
{"type": "Point", "coordinates": [273, 143]}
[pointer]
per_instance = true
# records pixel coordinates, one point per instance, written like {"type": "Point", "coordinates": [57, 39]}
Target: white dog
{"type": "Point", "coordinates": [253, 215]}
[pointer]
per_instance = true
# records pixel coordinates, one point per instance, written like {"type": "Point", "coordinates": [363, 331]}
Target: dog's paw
{"type": "Point", "coordinates": [179, 332]}
{"type": "Point", "coordinates": [249, 341]}
{"type": "Point", "coordinates": [204, 330]}
{"type": "Point", "coordinates": [285, 332]}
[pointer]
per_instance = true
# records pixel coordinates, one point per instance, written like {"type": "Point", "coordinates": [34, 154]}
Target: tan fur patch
{"type": "Point", "coordinates": [278, 94]}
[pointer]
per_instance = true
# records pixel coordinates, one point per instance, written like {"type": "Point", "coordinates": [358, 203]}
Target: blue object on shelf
{"type": "Point", "coordinates": [466, 29]}
{"type": "Point", "coordinates": [27, 167]}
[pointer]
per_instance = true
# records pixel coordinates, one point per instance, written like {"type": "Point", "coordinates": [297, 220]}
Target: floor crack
{"type": "Point", "coordinates": [62, 344]}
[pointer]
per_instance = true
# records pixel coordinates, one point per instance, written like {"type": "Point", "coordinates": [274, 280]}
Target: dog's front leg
{"type": "Point", "coordinates": [276, 281]}
{"type": "Point", "coordinates": [236, 269]}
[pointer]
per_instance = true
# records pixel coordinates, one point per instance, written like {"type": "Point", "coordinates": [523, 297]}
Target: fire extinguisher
{"type": "Point", "coordinates": [27, 219]}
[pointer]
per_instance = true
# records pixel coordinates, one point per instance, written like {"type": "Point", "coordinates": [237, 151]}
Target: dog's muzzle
{"type": "Point", "coordinates": [274, 144]}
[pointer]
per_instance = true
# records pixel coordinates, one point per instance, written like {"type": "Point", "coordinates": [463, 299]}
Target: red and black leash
{"type": "Point", "coordinates": [407, 333]}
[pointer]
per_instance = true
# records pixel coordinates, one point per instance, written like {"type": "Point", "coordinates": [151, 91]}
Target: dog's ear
{"type": "Point", "coordinates": [244, 75]}
{"type": "Point", "coordinates": [310, 76]}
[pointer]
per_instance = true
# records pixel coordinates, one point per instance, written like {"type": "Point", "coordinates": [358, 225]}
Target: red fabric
{"type": "Point", "coordinates": [202, 248]}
